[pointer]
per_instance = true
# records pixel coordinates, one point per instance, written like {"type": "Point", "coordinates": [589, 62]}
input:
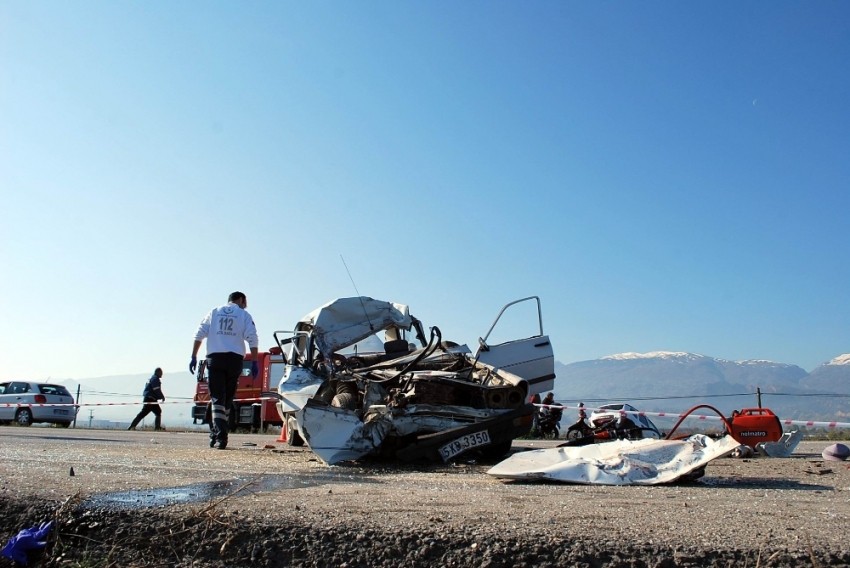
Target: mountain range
{"type": "Point", "coordinates": [654, 382]}
{"type": "Point", "coordinates": [664, 381]}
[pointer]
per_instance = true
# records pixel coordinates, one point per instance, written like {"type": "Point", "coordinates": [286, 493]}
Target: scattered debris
{"type": "Point", "coordinates": [742, 452]}
{"type": "Point", "coordinates": [783, 448]}
{"type": "Point", "coordinates": [836, 452]}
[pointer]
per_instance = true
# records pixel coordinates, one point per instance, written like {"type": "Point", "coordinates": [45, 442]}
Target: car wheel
{"type": "Point", "coordinates": [293, 437]}
{"type": "Point", "coordinates": [497, 451]}
{"type": "Point", "coordinates": [24, 417]}
{"type": "Point", "coordinates": [65, 424]}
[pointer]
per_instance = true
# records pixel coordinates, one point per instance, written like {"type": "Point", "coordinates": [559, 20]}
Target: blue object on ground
{"type": "Point", "coordinates": [26, 541]}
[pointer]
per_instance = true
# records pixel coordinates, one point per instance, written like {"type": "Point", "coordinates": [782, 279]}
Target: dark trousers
{"type": "Point", "coordinates": [150, 406]}
{"type": "Point", "coordinates": [223, 370]}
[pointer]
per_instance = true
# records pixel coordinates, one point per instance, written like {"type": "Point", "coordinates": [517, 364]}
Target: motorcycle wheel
{"type": "Point", "coordinates": [551, 434]}
{"type": "Point", "coordinates": [574, 434]}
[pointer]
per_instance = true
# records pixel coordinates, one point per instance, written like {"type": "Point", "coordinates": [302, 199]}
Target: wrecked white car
{"type": "Point", "coordinates": [363, 379]}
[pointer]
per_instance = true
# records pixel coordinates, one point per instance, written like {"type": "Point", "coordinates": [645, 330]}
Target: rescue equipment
{"type": "Point", "coordinates": [749, 427]}
{"type": "Point", "coordinates": [752, 426]}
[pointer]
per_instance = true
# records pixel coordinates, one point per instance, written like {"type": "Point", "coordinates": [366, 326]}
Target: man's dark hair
{"type": "Point", "coordinates": [235, 297]}
{"type": "Point", "coordinates": [157, 371]}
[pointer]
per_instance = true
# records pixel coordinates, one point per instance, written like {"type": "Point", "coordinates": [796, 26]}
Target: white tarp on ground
{"type": "Point", "coordinates": [620, 462]}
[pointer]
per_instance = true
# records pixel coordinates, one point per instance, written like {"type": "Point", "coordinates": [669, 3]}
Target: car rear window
{"type": "Point", "coordinates": [54, 389]}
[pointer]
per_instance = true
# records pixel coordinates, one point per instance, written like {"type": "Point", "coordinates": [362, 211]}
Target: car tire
{"type": "Point", "coordinates": [23, 417]}
{"type": "Point", "coordinates": [293, 437]}
{"type": "Point", "coordinates": [65, 424]}
{"type": "Point", "coordinates": [496, 452]}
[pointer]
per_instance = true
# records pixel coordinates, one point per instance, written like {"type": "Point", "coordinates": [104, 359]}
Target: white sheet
{"type": "Point", "coordinates": [620, 462]}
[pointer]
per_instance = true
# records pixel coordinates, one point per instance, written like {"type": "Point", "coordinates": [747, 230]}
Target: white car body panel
{"type": "Point", "coordinates": [532, 359]}
{"type": "Point", "coordinates": [620, 462]}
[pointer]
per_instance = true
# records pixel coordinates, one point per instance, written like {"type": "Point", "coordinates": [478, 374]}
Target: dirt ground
{"type": "Point", "coordinates": [166, 499]}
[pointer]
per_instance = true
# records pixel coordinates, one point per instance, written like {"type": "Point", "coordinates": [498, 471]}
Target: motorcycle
{"type": "Point", "coordinates": [582, 433]}
{"type": "Point", "coordinates": [548, 423]}
{"type": "Point", "coordinates": [580, 429]}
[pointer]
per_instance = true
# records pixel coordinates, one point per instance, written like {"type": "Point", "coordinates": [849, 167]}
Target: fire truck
{"type": "Point", "coordinates": [255, 398]}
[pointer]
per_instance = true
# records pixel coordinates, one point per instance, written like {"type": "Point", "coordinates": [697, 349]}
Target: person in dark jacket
{"type": "Point", "coordinates": [150, 396]}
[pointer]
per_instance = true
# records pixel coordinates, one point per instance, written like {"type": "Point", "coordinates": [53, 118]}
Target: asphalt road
{"type": "Point", "coordinates": [798, 503]}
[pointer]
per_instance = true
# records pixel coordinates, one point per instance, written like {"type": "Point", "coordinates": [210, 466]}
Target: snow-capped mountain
{"type": "Point", "coordinates": [840, 360]}
{"type": "Point", "coordinates": [687, 378]}
{"type": "Point", "coordinates": [832, 376]}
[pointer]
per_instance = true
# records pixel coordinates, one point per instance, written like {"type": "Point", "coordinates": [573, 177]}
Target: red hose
{"type": "Point", "coordinates": [688, 413]}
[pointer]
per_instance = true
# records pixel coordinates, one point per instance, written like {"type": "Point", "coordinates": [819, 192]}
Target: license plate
{"type": "Point", "coordinates": [61, 411]}
{"type": "Point", "coordinates": [464, 443]}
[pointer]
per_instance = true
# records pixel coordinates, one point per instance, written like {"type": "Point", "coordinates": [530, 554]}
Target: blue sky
{"type": "Point", "coordinates": [665, 176]}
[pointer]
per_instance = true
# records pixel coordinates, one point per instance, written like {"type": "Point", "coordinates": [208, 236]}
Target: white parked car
{"type": "Point", "coordinates": [26, 402]}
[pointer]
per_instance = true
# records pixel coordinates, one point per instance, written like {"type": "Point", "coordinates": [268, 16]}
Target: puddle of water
{"type": "Point", "coordinates": [211, 490]}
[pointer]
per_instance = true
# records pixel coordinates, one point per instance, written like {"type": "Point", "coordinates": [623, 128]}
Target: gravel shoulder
{"type": "Point", "coordinates": [261, 503]}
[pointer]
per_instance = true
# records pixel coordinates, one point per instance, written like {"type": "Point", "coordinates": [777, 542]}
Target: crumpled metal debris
{"type": "Point", "coordinates": [783, 448]}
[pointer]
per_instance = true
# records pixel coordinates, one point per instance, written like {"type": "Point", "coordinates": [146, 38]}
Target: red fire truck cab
{"type": "Point", "coordinates": [255, 399]}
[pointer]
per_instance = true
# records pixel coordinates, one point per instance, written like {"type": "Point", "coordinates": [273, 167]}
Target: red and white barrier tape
{"type": "Point", "coordinates": [41, 404]}
{"type": "Point", "coordinates": [809, 423]}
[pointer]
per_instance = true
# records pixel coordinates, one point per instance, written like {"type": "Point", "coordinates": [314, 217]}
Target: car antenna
{"type": "Point", "coordinates": [359, 297]}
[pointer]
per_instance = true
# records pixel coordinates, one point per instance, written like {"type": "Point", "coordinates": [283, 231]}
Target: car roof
{"type": "Point", "coordinates": [614, 406]}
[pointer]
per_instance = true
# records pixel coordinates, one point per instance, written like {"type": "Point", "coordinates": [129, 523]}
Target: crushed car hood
{"type": "Point", "coordinates": [620, 462]}
{"type": "Point", "coordinates": [345, 321]}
